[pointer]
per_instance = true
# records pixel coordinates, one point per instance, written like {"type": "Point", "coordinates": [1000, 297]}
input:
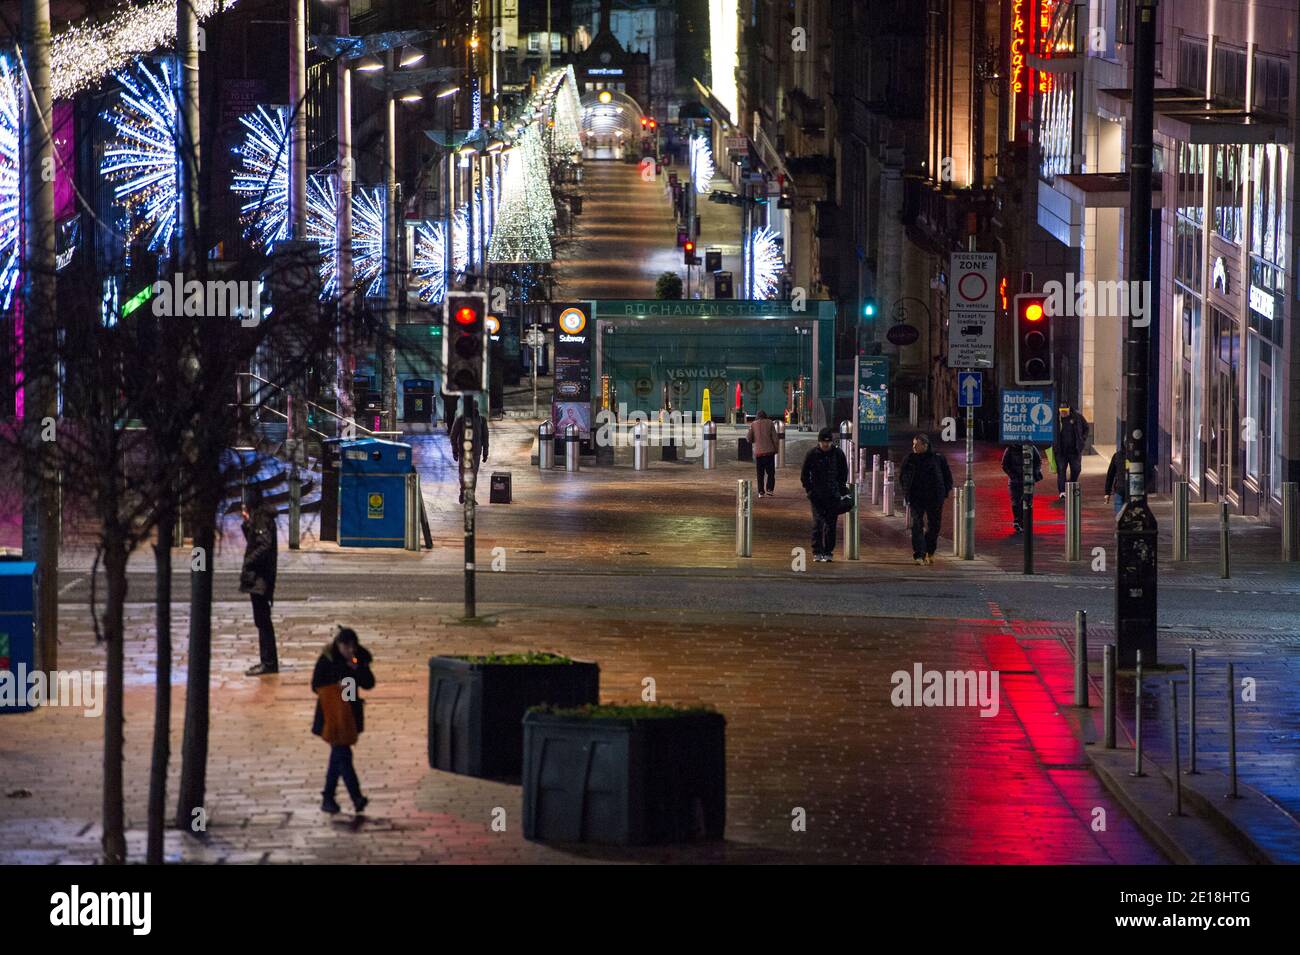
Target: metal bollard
{"type": "Point", "coordinates": [295, 507]}
{"type": "Point", "coordinates": [877, 472]}
{"type": "Point", "coordinates": [1137, 722]}
{"type": "Point", "coordinates": [1232, 731]}
{"type": "Point", "coordinates": [744, 518]}
{"type": "Point", "coordinates": [958, 524]}
{"type": "Point", "coordinates": [640, 457]}
{"type": "Point", "coordinates": [887, 496]}
{"type": "Point", "coordinates": [1073, 520]}
{"type": "Point", "coordinates": [1225, 564]}
{"type": "Point", "coordinates": [412, 529]}
{"type": "Point", "coordinates": [1191, 712]}
{"type": "Point", "coordinates": [1291, 521]}
{"type": "Point", "coordinates": [846, 442]}
{"type": "Point", "coordinates": [852, 529]}
{"type": "Point", "coordinates": [571, 448]}
{"type": "Point", "coordinates": [1081, 658]}
{"type": "Point", "coordinates": [1108, 694]}
{"type": "Point", "coordinates": [780, 443]}
{"type": "Point", "coordinates": [1173, 743]}
{"type": "Point", "coordinates": [1180, 520]}
{"type": "Point", "coordinates": [710, 455]}
{"type": "Point", "coordinates": [545, 446]}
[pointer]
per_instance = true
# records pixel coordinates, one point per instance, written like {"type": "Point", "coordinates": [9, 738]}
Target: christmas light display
{"type": "Point", "coordinates": [89, 50]}
{"type": "Point", "coordinates": [766, 261]}
{"type": "Point", "coordinates": [368, 234]}
{"type": "Point", "coordinates": [702, 164]}
{"type": "Point", "coordinates": [10, 179]}
{"type": "Point", "coordinates": [322, 220]}
{"type": "Point", "coordinates": [141, 156]}
{"type": "Point", "coordinates": [523, 224]}
{"type": "Point", "coordinates": [263, 174]}
{"type": "Point", "coordinates": [566, 137]}
{"type": "Point", "coordinates": [429, 263]}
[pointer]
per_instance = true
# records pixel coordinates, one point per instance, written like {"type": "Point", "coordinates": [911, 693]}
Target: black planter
{"type": "Point", "coordinates": [476, 709]}
{"type": "Point", "coordinates": [624, 781]}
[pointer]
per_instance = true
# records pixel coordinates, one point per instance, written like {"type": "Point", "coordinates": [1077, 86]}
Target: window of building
{"type": "Point", "coordinates": [1272, 82]}
{"type": "Point", "coordinates": [555, 43]}
{"type": "Point", "coordinates": [1255, 427]}
{"type": "Point", "coordinates": [1196, 395]}
{"type": "Point", "coordinates": [1191, 64]}
{"type": "Point", "coordinates": [1229, 80]}
{"type": "Point", "coordinates": [1188, 257]}
{"type": "Point", "coordinates": [1229, 192]}
{"type": "Point", "coordinates": [534, 43]}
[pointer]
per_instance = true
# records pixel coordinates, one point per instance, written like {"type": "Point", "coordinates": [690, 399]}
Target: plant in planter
{"type": "Point", "coordinates": [477, 704]}
{"type": "Point", "coordinates": [624, 774]}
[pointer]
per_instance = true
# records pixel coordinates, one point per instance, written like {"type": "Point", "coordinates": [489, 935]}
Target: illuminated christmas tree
{"type": "Point", "coordinates": [527, 210]}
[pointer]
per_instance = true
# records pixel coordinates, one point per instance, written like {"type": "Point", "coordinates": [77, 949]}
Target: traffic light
{"type": "Point", "coordinates": [1033, 340]}
{"type": "Point", "coordinates": [869, 308]}
{"type": "Point", "coordinates": [645, 122]}
{"type": "Point", "coordinates": [464, 343]}
{"type": "Point", "coordinates": [688, 250]}
{"type": "Point", "coordinates": [653, 124]}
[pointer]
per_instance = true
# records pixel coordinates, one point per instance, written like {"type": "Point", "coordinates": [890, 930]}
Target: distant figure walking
{"type": "Point", "coordinates": [825, 478]}
{"type": "Point", "coordinates": [341, 670]}
{"type": "Point", "coordinates": [926, 482]}
{"type": "Point", "coordinates": [1013, 466]}
{"type": "Point", "coordinates": [1071, 440]}
{"type": "Point", "coordinates": [257, 578]}
{"type": "Point", "coordinates": [480, 438]}
{"type": "Point", "coordinates": [762, 435]}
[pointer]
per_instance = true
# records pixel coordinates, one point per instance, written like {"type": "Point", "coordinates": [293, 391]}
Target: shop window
{"type": "Point", "coordinates": [1276, 471]}
{"type": "Point", "coordinates": [1196, 393]}
{"type": "Point", "coordinates": [1187, 253]}
{"type": "Point", "coordinates": [1256, 431]}
{"type": "Point", "coordinates": [1229, 189]}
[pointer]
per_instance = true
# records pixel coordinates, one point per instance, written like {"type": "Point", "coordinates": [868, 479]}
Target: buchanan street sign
{"type": "Point", "coordinates": [711, 308]}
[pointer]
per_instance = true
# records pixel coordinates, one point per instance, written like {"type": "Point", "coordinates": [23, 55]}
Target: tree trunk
{"type": "Point", "coordinates": [190, 813]}
{"type": "Point", "coordinates": [115, 558]}
{"type": "Point", "coordinates": [162, 707]}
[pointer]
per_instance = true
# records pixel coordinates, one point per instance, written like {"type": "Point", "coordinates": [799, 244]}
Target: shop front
{"type": "Point", "coordinates": [748, 355]}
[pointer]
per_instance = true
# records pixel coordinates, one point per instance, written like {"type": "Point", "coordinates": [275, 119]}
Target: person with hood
{"type": "Point", "coordinates": [341, 670]}
{"type": "Point", "coordinates": [825, 478]}
{"type": "Point", "coordinates": [257, 578]}
{"type": "Point", "coordinates": [1068, 446]}
{"type": "Point", "coordinates": [480, 437]}
{"type": "Point", "coordinates": [762, 435]}
{"type": "Point", "coordinates": [1117, 481]}
{"type": "Point", "coordinates": [926, 482]}
{"type": "Point", "coordinates": [1013, 466]}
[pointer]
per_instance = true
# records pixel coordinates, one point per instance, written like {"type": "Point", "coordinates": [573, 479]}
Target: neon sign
{"type": "Point", "coordinates": [1018, 40]}
{"type": "Point", "coordinates": [1046, 8]}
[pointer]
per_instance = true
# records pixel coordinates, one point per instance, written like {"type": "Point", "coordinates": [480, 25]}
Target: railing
{"type": "Point", "coordinates": [354, 426]}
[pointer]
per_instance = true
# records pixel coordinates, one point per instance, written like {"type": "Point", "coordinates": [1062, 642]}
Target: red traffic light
{"type": "Point", "coordinates": [1034, 312]}
{"type": "Point", "coordinates": [653, 124]}
{"type": "Point", "coordinates": [644, 122]}
{"type": "Point", "coordinates": [466, 315]}
{"type": "Point", "coordinates": [690, 247]}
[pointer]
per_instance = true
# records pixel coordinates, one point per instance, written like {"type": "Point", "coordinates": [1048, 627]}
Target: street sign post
{"type": "Point", "coordinates": [969, 389]}
{"type": "Point", "coordinates": [972, 294]}
{"type": "Point", "coordinates": [871, 401]}
{"type": "Point", "coordinates": [969, 396]}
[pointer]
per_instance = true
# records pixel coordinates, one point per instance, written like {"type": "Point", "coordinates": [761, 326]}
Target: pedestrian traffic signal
{"type": "Point", "coordinates": [1033, 340]}
{"type": "Point", "coordinates": [689, 252]}
{"type": "Point", "coordinates": [464, 343]}
{"type": "Point", "coordinates": [869, 308]}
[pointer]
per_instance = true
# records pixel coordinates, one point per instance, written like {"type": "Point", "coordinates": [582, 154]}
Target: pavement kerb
{"type": "Point", "coordinates": [1227, 820]}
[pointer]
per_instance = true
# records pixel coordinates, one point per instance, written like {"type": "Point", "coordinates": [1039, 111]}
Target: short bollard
{"type": "Point", "coordinates": [545, 446]}
{"type": "Point", "coordinates": [780, 443]}
{"type": "Point", "coordinates": [571, 448]}
{"type": "Point", "coordinates": [1191, 712]}
{"type": "Point", "coordinates": [744, 518]}
{"type": "Point", "coordinates": [710, 456]}
{"type": "Point", "coordinates": [1081, 658]}
{"type": "Point", "coordinates": [1232, 732]}
{"type": "Point", "coordinates": [1180, 520]}
{"type": "Point", "coordinates": [876, 475]}
{"type": "Point", "coordinates": [958, 525]}
{"type": "Point", "coordinates": [852, 528]}
{"type": "Point", "coordinates": [1108, 694]}
{"type": "Point", "coordinates": [1225, 564]}
{"type": "Point", "coordinates": [1137, 722]}
{"type": "Point", "coordinates": [640, 455]}
{"type": "Point", "coordinates": [1073, 520]}
{"type": "Point", "coordinates": [1173, 746]}
{"type": "Point", "coordinates": [887, 494]}
{"type": "Point", "coordinates": [1291, 521]}
{"type": "Point", "coordinates": [846, 443]}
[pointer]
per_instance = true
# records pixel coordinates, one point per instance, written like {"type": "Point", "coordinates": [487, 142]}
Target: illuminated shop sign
{"type": "Point", "coordinates": [1046, 8]}
{"type": "Point", "coordinates": [605, 71]}
{"type": "Point", "coordinates": [1019, 31]}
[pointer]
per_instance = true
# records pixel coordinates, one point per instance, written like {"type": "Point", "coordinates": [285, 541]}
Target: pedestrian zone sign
{"type": "Point", "coordinates": [1027, 417]}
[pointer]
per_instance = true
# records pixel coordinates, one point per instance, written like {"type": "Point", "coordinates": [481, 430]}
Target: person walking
{"type": "Point", "coordinates": [825, 478]}
{"type": "Point", "coordinates": [1117, 482]}
{"type": "Point", "coordinates": [257, 577]}
{"type": "Point", "coordinates": [762, 435]}
{"type": "Point", "coordinates": [480, 438]}
{"type": "Point", "coordinates": [926, 481]}
{"type": "Point", "coordinates": [341, 670]}
{"type": "Point", "coordinates": [1068, 446]}
{"type": "Point", "coordinates": [1013, 466]}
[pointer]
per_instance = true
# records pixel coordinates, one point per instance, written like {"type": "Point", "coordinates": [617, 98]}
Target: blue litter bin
{"type": "Point", "coordinates": [372, 493]}
{"type": "Point", "coordinates": [17, 631]}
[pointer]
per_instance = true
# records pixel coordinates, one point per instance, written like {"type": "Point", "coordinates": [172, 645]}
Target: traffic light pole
{"type": "Point", "coordinates": [968, 502]}
{"type": "Point", "coordinates": [468, 473]}
{"type": "Point", "coordinates": [1135, 564]}
{"type": "Point", "coordinates": [1027, 503]}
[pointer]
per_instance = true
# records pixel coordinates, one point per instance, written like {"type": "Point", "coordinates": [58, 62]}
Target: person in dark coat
{"type": "Point", "coordinates": [1068, 446]}
{"type": "Point", "coordinates": [762, 436]}
{"type": "Point", "coordinates": [1013, 466]}
{"type": "Point", "coordinates": [926, 481]}
{"type": "Point", "coordinates": [344, 661]}
{"type": "Point", "coordinates": [257, 578]}
{"type": "Point", "coordinates": [480, 438]}
{"type": "Point", "coordinates": [1117, 482]}
{"type": "Point", "coordinates": [825, 478]}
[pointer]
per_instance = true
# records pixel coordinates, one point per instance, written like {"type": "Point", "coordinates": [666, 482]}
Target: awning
{"type": "Point", "coordinates": [1101, 190]}
{"type": "Point", "coordinates": [719, 112]}
{"type": "Point", "coordinates": [1187, 116]}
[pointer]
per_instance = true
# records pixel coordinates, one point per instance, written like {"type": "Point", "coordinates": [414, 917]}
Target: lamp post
{"type": "Point", "coordinates": [298, 117]}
